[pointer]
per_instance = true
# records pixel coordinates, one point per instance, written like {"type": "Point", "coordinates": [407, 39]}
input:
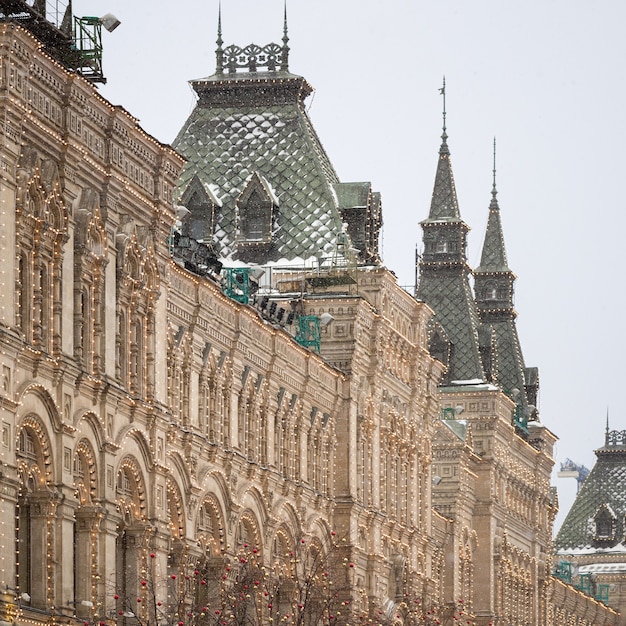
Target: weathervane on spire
{"type": "Point", "coordinates": [442, 91]}
{"type": "Point", "coordinates": [494, 191]}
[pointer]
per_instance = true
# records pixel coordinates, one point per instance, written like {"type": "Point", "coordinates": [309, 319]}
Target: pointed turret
{"type": "Point", "coordinates": [493, 278]}
{"type": "Point", "coordinates": [493, 257]}
{"type": "Point", "coordinates": [444, 204]}
{"type": "Point", "coordinates": [444, 276]}
{"type": "Point", "coordinates": [493, 283]}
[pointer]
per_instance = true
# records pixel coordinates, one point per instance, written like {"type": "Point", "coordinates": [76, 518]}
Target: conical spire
{"type": "Point", "coordinates": [219, 51]}
{"type": "Point", "coordinates": [493, 258]}
{"type": "Point", "coordinates": [444, 204]}
{"type": "Point", "coordinates": [284, 59]}
{"type": "Point", "coordinates": [444, 276]}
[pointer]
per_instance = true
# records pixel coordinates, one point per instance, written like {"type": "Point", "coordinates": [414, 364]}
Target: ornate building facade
{"type": "Point", "coordinates": [171, 394]}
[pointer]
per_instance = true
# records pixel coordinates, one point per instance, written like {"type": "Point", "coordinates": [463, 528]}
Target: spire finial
{"type": "Point", "coordinates": [219, 52]}
{"type": "Point", "coordinates": [284, 63]}
{"type": "Point", "coordinates": [494, 191]}
{"type": "Point", "coordinates": [285, 23]}
{"type": "Point", "coordinates": [442, 91]}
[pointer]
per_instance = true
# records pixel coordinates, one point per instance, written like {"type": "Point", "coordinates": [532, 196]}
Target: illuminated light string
{"type": "Point", "coordinates": [273, 333]}
{"type": "Point", "coordinates": [87, 86]}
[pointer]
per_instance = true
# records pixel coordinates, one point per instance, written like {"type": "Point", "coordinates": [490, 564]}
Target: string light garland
{"type": "Point", "coordinates": [272, 461]}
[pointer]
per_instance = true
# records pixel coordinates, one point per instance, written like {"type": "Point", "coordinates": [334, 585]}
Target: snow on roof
{"type": "Point", "coordinates": [603, 568]}
{"type": "Point", "coordinates": [476, 384]}
{"type": "Point", "coordinates": [270, 190]}
{"type": "Point", "coordinates": [212, 190]}
{"type": "Point", "coordinates": [620, 548]}
{"type": "Point", "coordinates": [473, 381]}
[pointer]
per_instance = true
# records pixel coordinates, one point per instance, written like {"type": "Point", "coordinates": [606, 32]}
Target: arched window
{"type": "Point", "coordinates": [257, 207]}
{"type": "Point", "coordinates": [132, 535]}
{"type": "Point", "coordinates": [34, 517]}
{"type": "Point", "coordinates": [41, 231]}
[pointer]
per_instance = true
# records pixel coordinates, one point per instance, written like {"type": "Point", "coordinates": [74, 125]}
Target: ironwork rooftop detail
{"type": "Point", "coordinates": [615, 440]}
{"type": "Point", "coordinates": [252, 57]}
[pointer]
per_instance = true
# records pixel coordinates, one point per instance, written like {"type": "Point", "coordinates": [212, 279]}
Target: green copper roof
{"type": "Point", "coordinates": [230, 136]}
{"type": "Point", "coordinates": [353, 195]}
{"type": "Point", "coordinates": [451, 298]}
{"type": "Point", "coordinates": [602, 494]}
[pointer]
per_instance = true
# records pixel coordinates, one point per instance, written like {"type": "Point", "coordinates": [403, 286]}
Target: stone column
{"type": "Point", "coordinates": [42, 508]}
{"type": "Point", "coordinates": [85, 546]}
{"type": "Point", "coordinates": [8, 499]}
{"type": "Point", "coordinates": [63, 564]}
{"type": "Point", "coordinates": [107, 556]}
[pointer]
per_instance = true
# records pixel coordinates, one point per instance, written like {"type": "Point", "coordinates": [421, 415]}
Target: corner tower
{"type": "Point", "coordinates": [444, 277]}
{"type": "Point", "coordinates": [500, 348]}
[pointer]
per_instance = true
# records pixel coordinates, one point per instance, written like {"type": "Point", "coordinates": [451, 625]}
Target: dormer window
{"type": "Point", "coordinates": [439, 346]}
{"type": "Point", "coordinates": [604, 522]}
{"type": "Point", "coordinates": [256, 218]}
{"type": "Point", "coordinates": [203, 204]}
{"type": "Point", "coordinates": [257, 207]}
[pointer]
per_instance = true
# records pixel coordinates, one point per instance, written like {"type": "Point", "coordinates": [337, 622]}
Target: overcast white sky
{"type": "Point", "coordinates": [543, 76]}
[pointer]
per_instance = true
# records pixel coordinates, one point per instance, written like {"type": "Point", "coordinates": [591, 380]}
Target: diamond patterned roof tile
{"type": "Point", "coordinates": [604, 487]}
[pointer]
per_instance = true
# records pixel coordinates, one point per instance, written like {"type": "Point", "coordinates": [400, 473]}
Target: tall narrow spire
{"type": "Point", "coordinates": [219, 52]}
{"type": "Point", "coordinates": [494, 289]}
{"type": "Point", "coordinates": [284, 61]}
{"type": "Point", "coordinates": [444, 276]}
{"type": "Point", "coordinates": [493, 258]}
{"type": "Point", "coordinates": [494, 191]}
{"type": "Point", "coordinates": [444, 204]}
{"type": "Point", "coordinates": [444, 134]}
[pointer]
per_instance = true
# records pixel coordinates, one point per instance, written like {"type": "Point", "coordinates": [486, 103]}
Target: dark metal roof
{"type": "Point", "coordinates": [256, 123]}
{"type": "Point", "coordinates": [604, 490]}
{"type": "Point", "coordinates": [493, 287]}
{"type": "Point", "coordinates": [444, 275]}
{"type": "Point", "coordinates": [353, 195]}
{"type": "Point", "coordinates": [493, 258]}
{"type": "Point", "coordinates": [444, 204]}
